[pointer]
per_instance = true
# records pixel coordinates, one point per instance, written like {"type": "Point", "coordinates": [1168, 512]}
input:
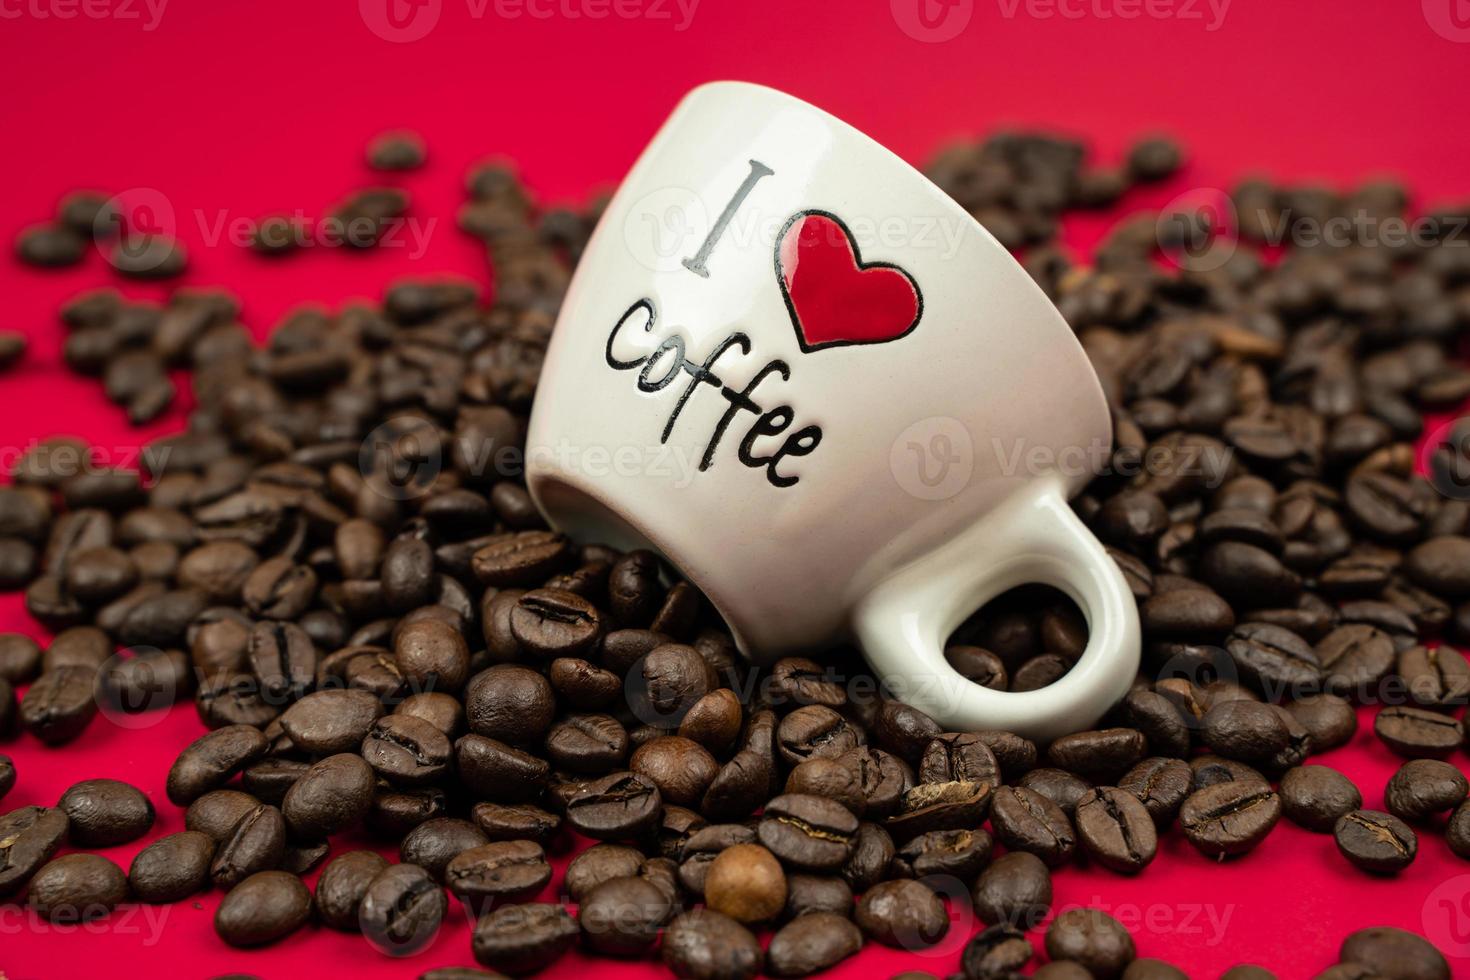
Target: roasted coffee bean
{"type": "Point", "coordinates": [1015, 889]}
{"type": "Point", "coordinates": [257, 842]}
{"type": "Point", "coordinates": [1024, 820]}
{"type": "Point", "coordinates": [1355, 658]}
{"type": "Point", "coordinates": [226, 699]}
{"type": "Point", "coordinates": [432, 656]}
{"type": "Point", "coordinates": [331, 722]}
{"type": "Point", "coordinates": [622, 917]}
{"type": "Point", "coordinates": [1161, 723]}
{"type": "Point", "coordinates": [1230, 818]}
{"type": "Point", "coordinates": [441, 710]}
{"type": "Point", "coordinates": [434, 843]}
{"type": "Point", "coordinates": [808, 894]}
{"type": "Point", "coordinates": [705, 945]}
{"type": "Point", "coordinates": [509, 703]}
{"type": "Point", "coordinates": [522, 939]}
{"type": "Point", "coordinates": [620, 806]}
{"type": "Point", "coordinates": [1274, 660]}
{"type": "Point", "coordinates": [1098, 756]}
{"type": "Point", "coordinates": [872, 856]}
{"type": "Point", "coordinates": [1419, 790]}
{"type": "Point", "coordinates": [20, 658]}
{"type": "Point", "coordinates": [745, 882]}
{"type": "Point", "coordinates": [490, 768]}
{"type": "Point", "coordinates": [555, 623]}
{"type": "Point", "coordinates": [599, 863]}
{"type": "Point", "coordinates": [401, 910]}
{"type": "Point", "coordinates": [799, 681]}
{"type": "Point", "coordinates": [504, 871]}
{"type": "Point", "coordinates": [396, 151]}
{"type": "Point", "coordinates": [1092, 939]}
{"type": "Point", "coordinates": [664, 685]}
{"type": "Point", "coordinates": [1245, 730]}
{"type": "Point", "coordinates": [902, 913]}
{"type": "Point", "coordinates": [906, 731]}
{"type": "Point", "coordinates": [332, 795]}
{"type": "Point", "coordinates": [959, 757]}
{"type": "Point", "coordinates": [457, 973]}
{"type": "Point", "coordinates": [7, 775]}
{"type": "Point", "coordinates": [812, 943]}
{"type": "Point", "coordinates": [407, 574]}
{"type": "Point", "coordinates": [808, 832]}
{"type": "Point", "coordinates": [341, 886]}
{"type": "Point", "coordinates": [1116, 830]}
{"type": "Point", "coordinates": [1059, 786]}
{"type": "Point", "coordinates": [939, 806]}
{"type": "Point", "coordinates": [979, 666]}
{"type": "Point", "coordinates": [1316, 796]}
{"type": "Point", "coordinates": [1416, 733]}
{"type": "Point", "coordinates": [1328, 719]}
{"type": "Point", "coordinates": [50, 246]}
{"type": "Point", "coordinates": [172, 868]}
{"type": "Point", "coordinates": [59, 705]}
{"type": "Point", "coordinates": [681, 769]}
{"type": "Point", "coordinates": [829, 778]}
{"type": "Point", "coordinates": [996, 951]}
{"type": "Point", "coordinates": [525, 559]}
{"type": "Point", "coordinates": [1435, 678]}
{"type": "Point", "coordinates": [395, 813]}
{"type": "Point", "coordinates": [407, 751]}
{"type": "Point", "coordinates": [703, 845]}
{"type": "Point", "coordinates": [213, 759]}
{"type": "Point", "coordinates": [216, 812]}
{"type": "Point", "coordinates": [262, 909]}
{"type": "Point", "coordinates": [1210, 770]}
{"type": "Point", "coordinates": [104, 812]}
{"type": "Point", "coordinates": [583, 685]}
{"type": "Point", "coordinates": [1390, 952]}
{"type": "Point", "coordinates": [77, 888]}
{"type": "Point", "coordinates": [880, 775]}
{"type": "Point", "coordinates": [956, 853]}
{"type": "Point", "coordinates": [29, 837]}
{"type": "Point", "coordinates": [283, 659]}
{"type": "Point", "coordinates": [1161, 785]}
{"type": "Point", "coordinates": [1374, 841]}
{"type": "Point", "coordinates": [1187, 614]}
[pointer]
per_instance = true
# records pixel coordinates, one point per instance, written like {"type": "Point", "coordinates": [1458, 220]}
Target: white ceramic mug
{"type": "Point", "coordinates": [795, 368]}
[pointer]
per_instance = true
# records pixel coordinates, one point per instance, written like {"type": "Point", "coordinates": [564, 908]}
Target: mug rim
{"type": "Point", "coordinates": [968, 221]}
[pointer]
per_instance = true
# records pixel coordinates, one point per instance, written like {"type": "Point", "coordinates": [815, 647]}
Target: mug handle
{"type": "Point", "coordinates": [1034, 537]}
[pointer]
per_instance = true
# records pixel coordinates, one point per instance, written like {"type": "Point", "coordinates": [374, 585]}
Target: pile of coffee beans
{"type": "Point", "coordinates": [338, 562]}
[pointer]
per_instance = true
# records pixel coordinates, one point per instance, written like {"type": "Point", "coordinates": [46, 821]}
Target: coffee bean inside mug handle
{"type": "Point", "coordinates": [1033, 538]}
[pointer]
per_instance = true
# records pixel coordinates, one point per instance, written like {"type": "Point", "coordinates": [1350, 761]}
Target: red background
{"type": "Point", "coordinates": [239, 109]}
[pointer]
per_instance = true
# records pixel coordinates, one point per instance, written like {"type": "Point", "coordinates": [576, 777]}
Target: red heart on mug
{"type": "Point", "coordinates": [834, 298]}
